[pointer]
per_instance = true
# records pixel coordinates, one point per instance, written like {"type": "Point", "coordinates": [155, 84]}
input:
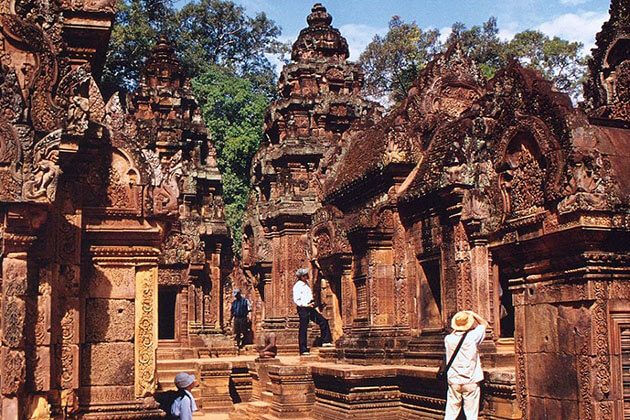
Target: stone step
{"type": "Point", "coordinates": [250, 410]}
{"type": "Point", "coordinates": [176, 364]}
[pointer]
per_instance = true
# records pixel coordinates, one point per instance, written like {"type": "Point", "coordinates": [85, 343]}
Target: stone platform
{"type": "Point", "coordinates": [316, 387]}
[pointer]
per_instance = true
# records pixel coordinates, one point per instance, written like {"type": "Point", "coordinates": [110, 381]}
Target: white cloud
{"type": "Point", "coordinates": [277, 59]}
{"type": "Point", "coordinates": [445, 32]}
{"type": "Point", "coordinates": [507, 31]}
{"type": "Point", "coordinates": [359, 36]}
{"type": "Point", "coordinates": [580, 27]}
{"type": "Point", "coordinates": [573, 2]}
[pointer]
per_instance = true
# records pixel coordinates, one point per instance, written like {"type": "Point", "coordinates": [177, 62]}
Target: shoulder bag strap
{"type": "Point", "coordinates": [459, 346]}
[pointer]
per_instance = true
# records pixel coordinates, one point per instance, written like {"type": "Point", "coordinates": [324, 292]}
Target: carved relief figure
{"type": "Point", "coordinates": [165, 176]}
{"type": "Point", "coordinates": [522, 179]}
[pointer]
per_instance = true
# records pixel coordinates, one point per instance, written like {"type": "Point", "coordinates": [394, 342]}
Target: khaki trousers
{"type": "Point", "coordinates": [469, 393]}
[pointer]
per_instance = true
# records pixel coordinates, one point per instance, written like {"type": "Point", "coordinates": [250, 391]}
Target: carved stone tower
{"type": "Point", "coordinates": [320, 100]}
{"type": "Point", "coordinates": [186, 199]}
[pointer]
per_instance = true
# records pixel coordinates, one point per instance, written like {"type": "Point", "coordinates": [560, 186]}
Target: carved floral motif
{"type": "Point", "coordinates": [146, 331]}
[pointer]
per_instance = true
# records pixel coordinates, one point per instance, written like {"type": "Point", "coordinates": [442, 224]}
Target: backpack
{"type": "Point", "coordinates": [166, 401]}
{"type": "Point", "coordinates": [180, 394]}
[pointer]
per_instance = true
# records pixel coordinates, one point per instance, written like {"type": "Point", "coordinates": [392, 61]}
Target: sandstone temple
{"type": "Point", "coordinates": [498, 196]}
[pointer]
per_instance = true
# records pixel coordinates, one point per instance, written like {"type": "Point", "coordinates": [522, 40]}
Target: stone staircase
{"type": "Point", "coordinates": [250, 410]}
{"type": "Point", "coordinates": [166, 371]}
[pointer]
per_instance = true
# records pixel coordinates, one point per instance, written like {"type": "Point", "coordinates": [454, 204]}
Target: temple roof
{"type": "Point", "coordinates": [444, 88]}
{"type": "Point", "coordinates": [607, 89]}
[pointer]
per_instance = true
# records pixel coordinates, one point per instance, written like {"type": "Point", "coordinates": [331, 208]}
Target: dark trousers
{"type": "Point", "coordinates": [307, 314]}
{"type": "Point", "coordinates": [240, 329]}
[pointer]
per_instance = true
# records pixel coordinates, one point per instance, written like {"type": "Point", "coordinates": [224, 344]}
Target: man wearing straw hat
{"type": "Point", "coordinates": [465, 373]}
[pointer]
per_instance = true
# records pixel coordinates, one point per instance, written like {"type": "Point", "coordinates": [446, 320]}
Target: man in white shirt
{"type": "Point", "coordinates": [303, 299]}
{"type": "Point", "coordinates": [465, 372]}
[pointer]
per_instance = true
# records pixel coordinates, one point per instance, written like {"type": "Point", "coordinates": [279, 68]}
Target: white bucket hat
{"type": "Point", "coordinates": [183, 380]}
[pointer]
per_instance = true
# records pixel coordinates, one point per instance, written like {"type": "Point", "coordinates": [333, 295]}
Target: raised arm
{"type": "Point", "coordinates": [480, 320]}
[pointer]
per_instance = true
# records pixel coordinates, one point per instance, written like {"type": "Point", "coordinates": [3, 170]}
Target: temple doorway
{"type": "Point", "coordinates": [167, 303]}
{"type": "Point", "coordinates": [506, 307]}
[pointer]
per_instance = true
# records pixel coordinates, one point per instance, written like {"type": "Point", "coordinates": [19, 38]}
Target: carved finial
{"type": "Point", "coordinates": [319, 16]}
{"type": "Point", "coordinates": [320, 41]}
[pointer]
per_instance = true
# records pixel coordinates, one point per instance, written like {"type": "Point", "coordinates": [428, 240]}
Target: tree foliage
{"type": "Point", "coordinates": [234, 112]}
{"type": "Point", "coordinates": [137, 26]}
{"type": "Point", "coordinates": [205, 33]}
{"type": "Point", "coordinates": [224, 52]}
{"type": "Point", "coordinates": [557, 59]}
{"type": "Point", "coordinates": [481, 43]}
{"type": "Point", "coordinates": [218, 32]}
{"type": "Point", "coordinates": [392, 62]}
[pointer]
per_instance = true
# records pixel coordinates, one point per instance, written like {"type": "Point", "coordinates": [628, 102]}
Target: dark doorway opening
{"type": "Point", "coordinates": [430, 294]}
{"type": "Point", "coordinates": [167, 300]}
{"type": "Point", "coordinates": [506, 308]}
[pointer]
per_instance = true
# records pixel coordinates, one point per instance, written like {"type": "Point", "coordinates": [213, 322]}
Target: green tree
{"type": "Point", "coordinates": [557, 59]}
{"type": "Point", "coordinates": [391, 63]}
{"type": "Point", "coordinates": [481, 43]}
{"type": "Point", "coordinates": [205, 33]}
{"type": "Point", "coordinates": [136, 28]}
{"type": "Point", "coordinates": [218, 32]}
{"type": "Point", "coordinates": [233, 110]}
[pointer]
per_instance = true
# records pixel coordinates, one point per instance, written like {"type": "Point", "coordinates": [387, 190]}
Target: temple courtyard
{"type": "Point", "coordinates": [493, 194]}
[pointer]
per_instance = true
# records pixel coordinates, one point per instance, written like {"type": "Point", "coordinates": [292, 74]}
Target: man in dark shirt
{"type": "Point", "coordinates": [239, 313]}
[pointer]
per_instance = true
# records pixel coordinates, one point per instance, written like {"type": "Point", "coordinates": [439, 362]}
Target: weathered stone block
{"type": "Point", "coordinates": [552, 375]}
{"type": "Point", "coordinates": [42, 323]}
{"type": "Point", "coordinates": [109, 320]}
{"type": "Point", "coordinates": [13, 318]}
{"type": "Point", "coordinates": [293, 391]}
{"type": "Point", "coordinates": [542, 335]}
{"type": "Point", "coordinates": [117, 282]}
{"type": "Point", "coordinates": [215, 385]}
{"type": "Point", "coordinates": [69, 354]}
{"type": "Point", "coordinates": [107, 364]}
{"type": "Point", "coordinates": [574, 325]}
{"type": "Point", "coordinates": [14, 277]}
{"type": "Point", "coordinates": [39, 372]}
{"type": "Point", "coordinates": [13, 370]}
{"type": "Point", "coordinates": [70, 321]}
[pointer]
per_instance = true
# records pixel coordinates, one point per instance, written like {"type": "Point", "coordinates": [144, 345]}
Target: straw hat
{"type": "Point", "coordinates": [462, 321]}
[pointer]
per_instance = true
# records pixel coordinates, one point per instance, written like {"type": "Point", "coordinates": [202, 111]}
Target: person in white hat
{"type": "Point", "coordinates": [184, 405]}
{"type": "Point", "coordinates": [303, 299]}
{"type": "Point", "coordinates": [465, 372]}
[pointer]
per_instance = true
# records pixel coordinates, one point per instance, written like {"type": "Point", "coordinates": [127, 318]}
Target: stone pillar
{"type": "Point", "coordinates": [216, 295]}
{"type": "Point", "coordinates": [261, 385]}
{"type": "Point", "coordinates": [146, 333]}
{"type": "Point", "coordinates": [67, 303]}
{"type": "Point", "coordinates": [280, 313]}
{"type": "Point", "coordinates": [119, 335]}
{"type": "Point", "coordinates": [215, 386]}
{"type": "Point", "coordinates": [293, 392]}
{"type": "Point", "coordinates": [381, 287]}
{"type": "Point", "coordinates": [20, 308]}
{"type": "Point", "coordinates": [13, 368]}
{"type": "Point", "coordinates": [348, 292]}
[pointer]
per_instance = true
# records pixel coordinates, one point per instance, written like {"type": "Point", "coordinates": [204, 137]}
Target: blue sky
{"type": "Point", "coordinates": [360, 20]}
